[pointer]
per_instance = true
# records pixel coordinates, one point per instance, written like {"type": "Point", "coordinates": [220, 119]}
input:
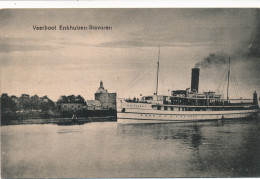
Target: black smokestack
{"type": "Point", "coordinates": [195, 79]}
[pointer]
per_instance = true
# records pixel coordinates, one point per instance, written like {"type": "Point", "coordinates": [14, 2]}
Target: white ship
{"type": "Point", "coordinates": [185, 105]}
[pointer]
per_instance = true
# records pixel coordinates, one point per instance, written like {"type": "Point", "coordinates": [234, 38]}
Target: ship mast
{"type": "Point", "coordinates": [228, 77]}
{"type": "Point", "coordinates": [158, 63]}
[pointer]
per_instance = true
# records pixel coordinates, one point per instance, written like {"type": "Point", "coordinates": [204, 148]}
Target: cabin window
{"type": "Point", "coordinates": [158, 107]}
{"type": "Point", "coordinates": [172, 108]}
{"type": "Point", "coordinates": [165, 107]}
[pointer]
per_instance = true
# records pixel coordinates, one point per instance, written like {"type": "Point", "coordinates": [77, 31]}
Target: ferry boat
{"type": "Point", "coordinates": [185, 105]}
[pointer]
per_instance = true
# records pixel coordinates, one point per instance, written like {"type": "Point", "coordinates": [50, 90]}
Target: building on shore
{"type": "Point", "coordinates": [72, 106]}
{"type": "Point", "coordinates": [93, 105]}
{"type": "Point", "coordinates": [107, 100]}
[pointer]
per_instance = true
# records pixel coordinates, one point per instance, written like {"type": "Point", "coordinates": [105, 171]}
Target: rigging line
{"type": "Point", "coordinates": [222, 77]}
{"type": "Point", "coordinates": [217, 81]}
{"type": "Point", "coordinates": [220, 90]}
{"type": "Point", "coordinates": [224, 83]}
{"type": "Point", "coordinates": [233, 85]}
{"type": "Point", "coordinates": [221, 80]}
{"type": "Point", "coordinates": [128, 85]}
{"type": "Point", "coordinates": [236, 83]}
{"type": "Point", "coordinates": [158, 63]}
{"type": "Point", "coordinates": [228, 78]}
{"type": "Point", "coordinates": [225, 79]}
{"type": "Point", "coordinates": [136, 79]}
{"type": "Point", "coordinates": [137, 76]}
{"type": "Point", "coordinates": [220, 83]}
{"type": "Point", "coordinates": [130, 82]}
{"type": "Point", "coordinates": [233, 79]}
{"type": "Point", "coordinates": [155, 82]}
{"type": "Point", "coordinates": [238, 88]}
{"type": "Point", "coordinates": [162, 80]}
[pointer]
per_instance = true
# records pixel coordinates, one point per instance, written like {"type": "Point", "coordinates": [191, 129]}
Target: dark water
{"type": "Point", "coordinates": [204, 149]}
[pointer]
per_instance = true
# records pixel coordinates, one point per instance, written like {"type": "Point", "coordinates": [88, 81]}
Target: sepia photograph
{"type": "Point", "coordinates": [130, 92]}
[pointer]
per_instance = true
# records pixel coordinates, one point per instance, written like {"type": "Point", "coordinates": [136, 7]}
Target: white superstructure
{"type": "Point", "coordinates": [144, 112]}
{"type": "Point", "coordinates": [185, 105]}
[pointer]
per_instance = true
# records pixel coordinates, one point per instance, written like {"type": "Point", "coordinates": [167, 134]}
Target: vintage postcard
{"type": "Point", "coordinates": [130, 92]}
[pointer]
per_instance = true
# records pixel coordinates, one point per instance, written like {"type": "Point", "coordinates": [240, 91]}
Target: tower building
{"type": "Point", "coordinates": [107, 100]}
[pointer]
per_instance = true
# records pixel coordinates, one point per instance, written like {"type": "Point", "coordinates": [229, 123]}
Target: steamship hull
{"type": "Point", "coordinates": [146, 114]}
{"type": "Point", "coordinates": [185, 105]}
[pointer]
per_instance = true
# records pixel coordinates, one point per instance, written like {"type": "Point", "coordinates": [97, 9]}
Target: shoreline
{"type": "Point", "coordinates": [60, 121]}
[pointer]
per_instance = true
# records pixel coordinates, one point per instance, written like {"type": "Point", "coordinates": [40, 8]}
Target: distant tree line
{"type": "Point", "coordinates": [15, 108]}
{"type": "Point", "coordinates": [71, 99]}
{"type": "Point", "coordinates": [25, 102]}
{"type": "Point", "coordinates": [34, 103]}
{"type": "Point", "coordinates": [26, 107]}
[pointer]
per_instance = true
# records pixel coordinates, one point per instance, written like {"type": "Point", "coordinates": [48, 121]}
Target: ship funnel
{"type": "Point", "coordinates": [195, 79]}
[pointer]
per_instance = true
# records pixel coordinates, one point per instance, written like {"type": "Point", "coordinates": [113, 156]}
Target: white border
{"type": "Point", "coordinates": [133, 4]}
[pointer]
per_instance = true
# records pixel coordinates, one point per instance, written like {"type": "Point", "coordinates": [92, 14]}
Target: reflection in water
{"type": "Point", "coordinates": [65, 131]}
{"type": "Point", "coordinates": [215, 149]}
{"type": "Point", "coordinates": [95, 150]}
{"type": "Point", "coordinates": [196, 137]}
{"type": "Point", "coordinates": [187, 133]}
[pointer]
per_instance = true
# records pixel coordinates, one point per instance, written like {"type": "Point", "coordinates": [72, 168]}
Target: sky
{"type": "Point", "coordinates": [56, 63]}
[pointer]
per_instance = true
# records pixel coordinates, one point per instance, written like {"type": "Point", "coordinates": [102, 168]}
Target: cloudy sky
{"type": "Point", "coordinates": [55, 63]}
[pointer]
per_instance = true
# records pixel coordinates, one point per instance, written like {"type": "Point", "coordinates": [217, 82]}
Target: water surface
{"type": "Point", "coordinates": [107, 149]}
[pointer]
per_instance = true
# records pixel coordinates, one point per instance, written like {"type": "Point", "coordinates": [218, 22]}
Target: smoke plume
{"type": "Point", "coordinates": [212, 60]}
{"type": "Point", "coordinates": [246, 50]}
{"type": "Point", "coordinates": [254, 46]}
